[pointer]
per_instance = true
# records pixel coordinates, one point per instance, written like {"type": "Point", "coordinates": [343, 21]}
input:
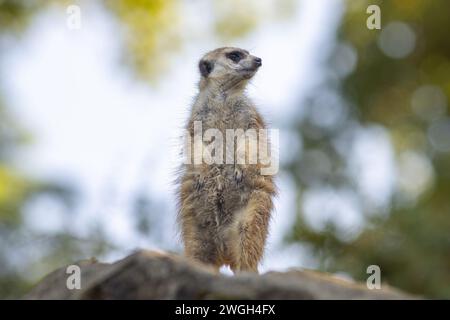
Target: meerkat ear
{"type": "Point", "coordinates": [205, 67]}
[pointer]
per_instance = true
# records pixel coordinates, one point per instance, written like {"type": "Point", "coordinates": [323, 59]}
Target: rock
{"type": "Point", "coordinates": [153, 275]}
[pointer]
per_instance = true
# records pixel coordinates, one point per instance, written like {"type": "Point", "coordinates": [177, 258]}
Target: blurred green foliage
{"type": "Point", "coordinates": [26, 254]}
{"type": "Point", "coordinates": [408, 96]}
{"type": "Point", "coordinates": [151, 33]}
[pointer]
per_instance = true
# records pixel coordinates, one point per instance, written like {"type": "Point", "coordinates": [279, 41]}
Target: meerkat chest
{"type": "Point", "coordinates": [224, 114]}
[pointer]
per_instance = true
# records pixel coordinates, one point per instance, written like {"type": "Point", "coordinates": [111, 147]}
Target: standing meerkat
{"type": "Point", "coordinates": [225, 208]}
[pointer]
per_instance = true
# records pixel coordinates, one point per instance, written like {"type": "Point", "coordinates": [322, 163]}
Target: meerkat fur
{"type": "Point", "coordinates": [224, 209]}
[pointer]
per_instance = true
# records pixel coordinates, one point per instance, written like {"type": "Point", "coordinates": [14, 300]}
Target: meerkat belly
{"type": "Point", "coordinates": [222, 200]}
{"type": "Point", "coordinates": [224, 186]}
{"type": "Point", "coordinates": [221, 193]}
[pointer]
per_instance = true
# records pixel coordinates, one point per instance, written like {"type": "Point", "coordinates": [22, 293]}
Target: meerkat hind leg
{"type": "Point", "coordinates": [199, 249]}
{"type": "Point", "coordinates": [249, 232]}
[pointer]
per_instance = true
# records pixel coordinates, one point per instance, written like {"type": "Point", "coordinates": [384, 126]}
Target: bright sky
{"type": "Point", "coordinates": [110, 136]}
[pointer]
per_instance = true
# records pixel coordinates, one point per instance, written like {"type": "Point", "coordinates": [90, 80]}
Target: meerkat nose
{"type": "Point", "coordinates": [258, 61]}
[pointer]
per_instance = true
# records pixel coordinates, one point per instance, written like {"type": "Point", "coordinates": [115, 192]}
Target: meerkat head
{"type": "Point", "coordinates": [228, 68]}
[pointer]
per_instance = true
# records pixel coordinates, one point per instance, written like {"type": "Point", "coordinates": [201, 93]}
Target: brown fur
{"type": "Point", "coordinates": [224, 210]}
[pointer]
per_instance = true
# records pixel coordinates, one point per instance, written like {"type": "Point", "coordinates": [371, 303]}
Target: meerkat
{"type": "Point", "coordinates": [224, 209]}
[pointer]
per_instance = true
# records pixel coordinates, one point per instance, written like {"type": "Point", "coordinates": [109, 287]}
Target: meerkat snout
{"type": "Point", "coordinates": [258, 61]}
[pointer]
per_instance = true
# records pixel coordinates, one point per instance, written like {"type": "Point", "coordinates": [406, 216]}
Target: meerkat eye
{"type": "Point", "coordinates": [235, 56]}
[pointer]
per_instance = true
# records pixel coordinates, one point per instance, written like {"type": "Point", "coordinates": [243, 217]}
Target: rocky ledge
{"type": "Point", "coordinates": [155, 275]}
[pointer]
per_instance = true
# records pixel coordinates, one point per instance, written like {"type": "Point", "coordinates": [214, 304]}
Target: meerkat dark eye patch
{"type": "Point", "coordinates": [205, 67]}
{"type": "Point", "coordinates": [235, 56]}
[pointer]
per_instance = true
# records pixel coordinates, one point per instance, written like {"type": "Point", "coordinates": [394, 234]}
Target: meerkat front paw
{"type": "Point", "coordinates": [238, 175]}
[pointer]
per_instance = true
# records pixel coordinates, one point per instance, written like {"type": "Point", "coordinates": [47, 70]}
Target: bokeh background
{"type": "Point", "coordinates": [90, 120]}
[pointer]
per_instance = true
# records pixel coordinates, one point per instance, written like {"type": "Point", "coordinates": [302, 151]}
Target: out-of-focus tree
{"type": "Point", "coordinates": [14, 188]}
{"type": "Point", "coordinates": [26, 253]}
{"type": "Point", "coordinates": [151, 33]}
{"type": "Point", "coordinates": [395, 81]}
